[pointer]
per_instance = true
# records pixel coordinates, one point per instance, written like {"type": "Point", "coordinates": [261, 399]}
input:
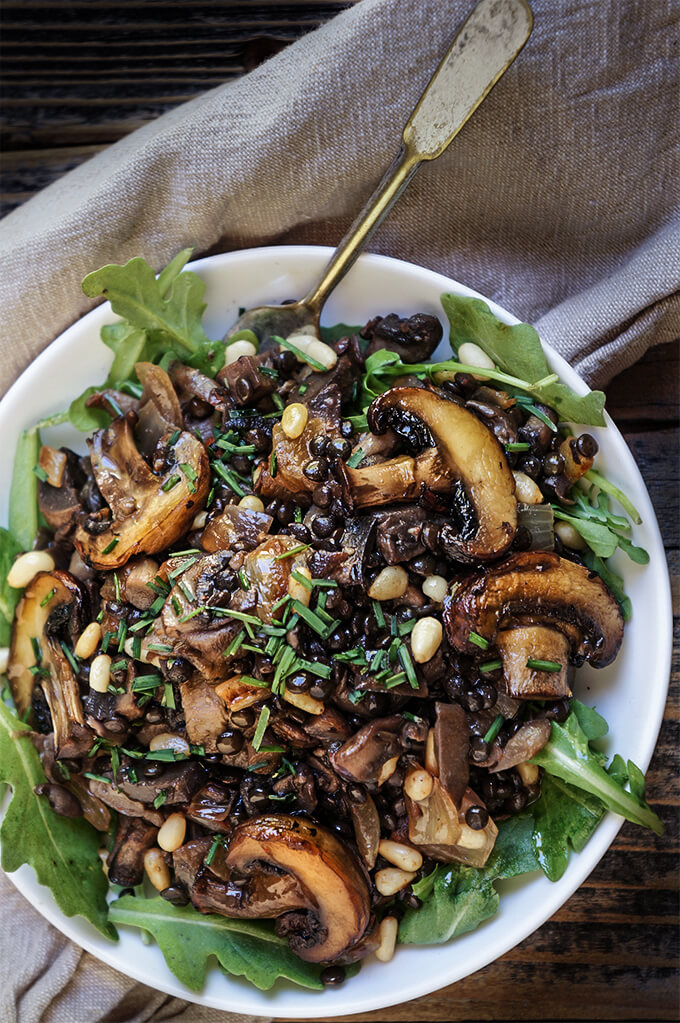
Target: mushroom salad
{"type": "Point", "coordinates": [298, 635]}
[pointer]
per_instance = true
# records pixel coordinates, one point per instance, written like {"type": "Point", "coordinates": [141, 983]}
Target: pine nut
{"type": "Point", "coordinates": [88, 641]}
{"type": "Point", "coordinates": [4, 659]}
{"type": "Point", "coordinates": [296, 589]}
{"type": "Point", "coordinates": [200, 520]}
{"type": "Point", "coordinates": [172, 832]}
{"type": "Point", "coordinates": [418, 784]}
{"type": "Point", "coordinates": [237, 350]}
{"type": "Point", "coordinates": [387, 933]}
{"type": "Point", "coordinates": [100, 673]}
{"type": "Point", "coordinates": [303, 701]}
{"type": "Point", "coordinates": [435, 587]}
{"type": "Point", "coordinates": [389, 584]}
{"type": "Point", "coordinates": [403, 856]}
{"type": "Point", "coordinates": [157, 869]}
{"type": "Point", "coordinates": [471, 354]}
{"type": "Point", "coordinates": [170, 740]}
{"type": "Point", "coordinates": [391, 880]}
{"type": "Point", "coordinates": [426, 639]}
{"type": "Point", "coordinates": [431, 764]}
{"type": "Point", "coordinates": [527, 772]}
{"type": "Point", "coordinates": [27, 566]}
{"type": "Point", "coordinates": [310, 347]}
{"type": "Point", "coordinates": [526, 491]}
{"type": "Point", "coordinates": [294, 419]}
{"type": "Point", "coordinates": [251, 503]}
{"type": "Point", "coordinates": [569, 536]}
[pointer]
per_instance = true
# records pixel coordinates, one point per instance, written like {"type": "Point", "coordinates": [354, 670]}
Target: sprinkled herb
{"type": "Point", "coordinates": [40, 473]}
{"type": "Point", "coordinates": [519, 445]}
{"type": "Point", "coordinates": [108, 636]}
{"type": "Point", "coordinates": [479, 641]}
{"type": "Point", "coordinates": [122, 633]}
{"type": "Point", "coordinates": [319, 669]}
{"type": "Point", "coordinates": [229, 478]}
{"type": "Point", "coordinates": [262, 723]}
{"type": "Point", "coordinates": [145, 682]}
{"type": "Point", "coordinates": [315, 623]}
{"type": "Point", "coordinates": [273, 465]}
{"type": "Point", "coordinates": [180, 569]}
{"type": "Point", "coordinates": [240, 616]}
{"type": "Point", "coordinates": [137, 647]}
{"type": "Point", "coordinates": [184, 589]}
{"type": "Point", "coordinates": [527, 404]}
{"type": "Point", "coordinates": [490, 666]}
{"type": "Point", "coordinates": [411, 717]}
{"type": "Point", "coordinates": [356, 695]}
{"type": "Point", "coordinates": [355, 458]}
{"type": "Point", "coordinates": [395, 680]}
{"type": "Point", "coordinates": [539, 665]}
{"type": "Point", "coordinates": [192, 614]}
{"type": "Point", "coordinates": [302, 356]}
{"type": "Point", "coordinates": [494, 729]}
{"type": "Point", "coordinates": [235, 644]}
{"type": "Point", "coordinates": [406, 627]}
{"type": "Point", "coordinates": [96, 777]}
{"type": "Point", "coordinates": [171, 482]}
{"type": "Point", "coordinates": [160, 648]}
{"type": "Point", "coordinates": [243, 579]}
{"type": "Point", "coordinates": [272, 749]}
{"type": "Point", "coordinates": [236, 449]}
{"type": "Point", "coordinates": [160, 799]}
{"type": "Point", "coordinates": [378, 612]}
{"type": "Point", "coordinates": [119, 665]}
{"type": "Point", "coordinates": [407, 664]}
{"type": "Point", "coordinates": [110, 546]}
{"type": "Point", "coordinates": [303, 580]}
{"type": "Point", "coordinates": [250, 680]}
{"type": "Point", "coordinates": [174, 438]}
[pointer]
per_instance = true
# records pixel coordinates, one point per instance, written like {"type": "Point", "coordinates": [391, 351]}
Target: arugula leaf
{"type": "Point", "coordinates": [563, 816]}
{"type": "Point", "coordinates": [462, 897]}
{"type": "Point", "coordinates": [62, 851]}
{"type": "Point", "coordinates": [518, 350]}
{"type": "Point", "coordinates": [129, 346]}
{"type": "Point", "coordinates": [601, 540]}
{"type": "Point", "coordinates": [187, 939]}
{"type": "Point", "coordinates": [338, 330]}
{"type": "Point", "coordinates": [87, 419]}
{"type": "Point", "coordinates": [593, 724]}
{"type": "Point", "coordinates": [567, 755]}
{"type": "Point", "coordinates": [23, 495]}
{"type": "Point", "coordinates": [9, 596]}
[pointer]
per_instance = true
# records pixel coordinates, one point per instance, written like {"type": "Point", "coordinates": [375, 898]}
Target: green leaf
{"type": "Point", "coordinates": [593, 724]}
{"type": "Point", "coordinates": [87, 419]}
{"type": "Point", "coordinates": [563, 816]}
{"type": "Point", "coordinates": [168, 274]}
{"type": "Point", "coordinates": [23, 495]}
{"type": "Point", "coordinates": [517, 350]}
{"type": "Point", "coordinates": [462, 897]}
{"type": "Point", "coordinates": [62, 851]}
{"type": "Point", "coordinates": [187, 939]}
{"type": "Point", "coordinates": [128, 346]}
{"type": "Point", "coordinates": [637, 554]}
{"type": "Point", "coordinates": [567, 755]}
{"type": "Point", "coordinates": [9, 596]}
{"type": "Point", "coordinates": [338, 330]}
{"type": "Point", "coordinates": [601, 540]}
{"type": "Point", "coordinates": [172, 306]}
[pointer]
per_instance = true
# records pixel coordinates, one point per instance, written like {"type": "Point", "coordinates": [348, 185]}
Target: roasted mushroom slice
{"type": "Point", "coordinates": [536, 607]}
{"type": "Point", "coordinates": [438, 828]}
{"type": "Point", "coordinates": [148, 511]}
{"type": "Point", "coordinates": [72, 737]}
{"type": "Point", "coordinates": [370, 756]}
{"type": "Point", "coordinates": [46, 593]}
{"type": "Point", "coordinates": [159, 410]}
{"type": "Point", "coordinates": [337, 904]}
{"type": "Point", "coordinates": [467, 456]}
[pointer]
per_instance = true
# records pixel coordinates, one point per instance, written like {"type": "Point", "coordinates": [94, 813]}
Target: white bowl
{"type": "Point", "coordinates": [376, 285]}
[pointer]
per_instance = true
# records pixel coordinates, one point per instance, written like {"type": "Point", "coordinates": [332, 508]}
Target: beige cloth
{"type": "Point", "coordinates": [559, 200]}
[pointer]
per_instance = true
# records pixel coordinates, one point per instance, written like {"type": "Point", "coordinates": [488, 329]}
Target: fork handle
{"type": "Point", "coordinates": [481, 53]}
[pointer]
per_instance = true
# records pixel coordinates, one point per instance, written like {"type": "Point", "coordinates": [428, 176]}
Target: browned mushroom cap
{"type": "Point", "coordinates": [439, 829]}
{"type": "Point", "coordinates": [148, 512]}
{"type": "Point", "coordinates": [338, 902]}
{"type": "Point", "coordinates": [536, 588]}
{"type": "Point", "coordinates": [44, 594]}
{"type": "Point", "coordinates": [468, 455]}
{"type": "Point", "coordinates": [370, 756]}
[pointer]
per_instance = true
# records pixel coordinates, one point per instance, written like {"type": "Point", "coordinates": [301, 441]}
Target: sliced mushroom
{"type": "Point", "coordinates": [236, 529]}
{"type": "Point", "coordinates": [134, 583]}
{"type": "Point", "coordinates": [451, 749]}
{"type": "Point", "coordinates": [439, 830]}
{"type": "Point", "coordinates": [337, 896]}
{"type": "Point", "coordinates": [47, 592]}
{"type": "Point", "coordinates": [147, 512]}
{"type": "Point", "coordinates": [536, 606]}
{"type": "Point", "coordinates": [466, 454]}
{"type": "Point", "coordinates": [72, 737]}
{"type": "Point", "coordinates": [527, 741]}
{"type": "Point", "coordinates": [159, 410]}
{"type": "Point", "coordinates": [126, 860]}
{"type": "Point", "coordinates": [292, 455]}
{"type": "Point", "coordinates": [366, 822]}
{"type": "Point", "coordinates": [204, 712]}
{"type": "Point", "coordinates": [58, 497]}
{"type": "Point", "coordinates": [399, 479]}
{"type": "Point", "coordinates": [370, 756]}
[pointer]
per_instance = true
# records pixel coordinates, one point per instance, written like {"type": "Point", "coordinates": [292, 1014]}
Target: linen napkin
{"type": "Point", "coordinates": [559, 200]}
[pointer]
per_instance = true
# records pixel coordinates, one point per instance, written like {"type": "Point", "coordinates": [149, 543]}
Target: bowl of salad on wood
{"type": "Point", "coordinates": [332, 664]}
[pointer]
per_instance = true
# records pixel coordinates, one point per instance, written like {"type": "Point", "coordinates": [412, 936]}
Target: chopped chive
{"type": "Point", "coordinates": [122, 633]}
{"type": "Point", "coordinates": [303, 388]}
{"type": "Point", "coordinates": [185, 554]}
{"type": "Point", "coordinates": [297, 514]}
{"type": "Point", "coordinates": [171, 482]}
{"type": "Point", "coordinates": [174, 438]}
{"type": "Point", "coordinates": [176, 606]}
{"type": "Point", "coordinates": [137, 647]}
{"type": "Point", "coordinates": [325, 584]}
{"type": "Point", "coordinates": [395, 680]}
{"type": "Point", "coordinates": [116, 584]}
{"type": "Point", "coordinates": [240, 616]}
{"type": "Point", "coordinates": [378, 612]}
{"type": "Point", "coordinates": [355, 458]}
{"type": "Point", "coordinates": [494, 729]}
{"type": "Point", "coordinates": [236, 449]}
{"type": "Point", "coordinates": [294, 550]}
{"type": "Point", "coordinates": [184, 589]}
{"type": "Point", "coordinates": [281, 602]}
{"type": "Point", "coordinates": [313, 620]}
{"type": "Point", "coordinates": [407, 664]}
{"type": "Point", "coordinates": [115, 762]}
{"type": "Point", "coordinates": [534, 410]}
{"type": "Point", "coordinates": [490, 666]}
{"type": "Point", "coordinates": [97, 777]}
{"type": "Point", "coordinates": [132, 775]}
{"type": "Point", "coordinates": [110, 546]}
{"type": "Point", "coordinates": [40, 473]}
{"type": "Point", "coordinates": [377, 660]}
{"type": "Point", "coordinates": [250, 680]}
{"type": "Point", "coordinates": [411, 717]}
{"type": "Point", "coordinates": [119, 665]}
{"type": "Point", "coordinates": [539, 665]}
{"type": "Point", "coordinates": [108, 636]}
{"type": "Point", "coordinates": [160, 799]}
{"type": "Point", "coordinates": [319, 669]}
{"type": "Point", "coordinates": [258, 765]}
{"type": "Point", "coordinates": [37, 652]}
{"type": "Point", "coordinates": [478, 640]}
{"type": "Point", "coordinates": [141, 624]}
{"type": "Point", "coordinates": [243, 579]}
{"type": "Point", "coordinates": [160, 648]}
{"type": "Point", "coordinates": [229, 478]}
{"type": "Point", "coordinates": [235, 644]}
{"type": "Point", "coordinates": [302, 356]}
{"type": "Point", "coordinates": [272, 749]}
{"type": "Point", "coordinates": [45, 601]}
{"type": "Point", "coordinates": [356, 695]}
{"type": "Point", "coordinates": [157, 606]}
{"type": "Point", "coordinates": [262, 723]}
{"type": "Point", "coordinates": [168, 696]}
{"type": "Point", "coordinates": [181, 568]}
{"type": "Point", "coordinates": [143, 683]}
{"type": "Point", "coordinates": [192, 614]}
{"type": "Point", "coordinates": [303, 580]}
{"type": "Point", "coordinates": [519, 445]}
{"type": "Point", "coordinates": [273, 464]}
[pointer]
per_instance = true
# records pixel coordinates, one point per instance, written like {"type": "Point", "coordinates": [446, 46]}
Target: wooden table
{"type": "Point", "coordinates": [77, 77]}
